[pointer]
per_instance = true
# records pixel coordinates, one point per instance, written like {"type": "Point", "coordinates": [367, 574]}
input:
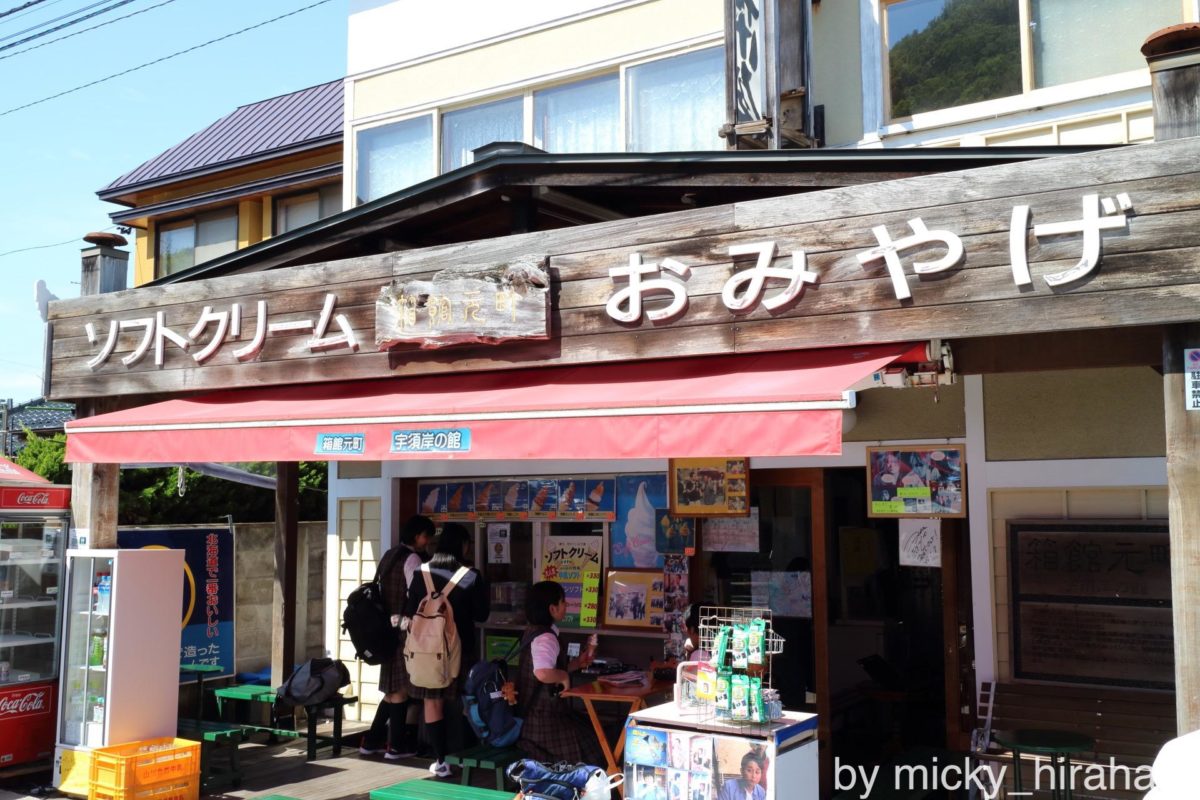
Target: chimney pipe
{"type": "Point", "coordinates": [1174, 57]}
{"type": "Point", "coordinates": [105, 268]}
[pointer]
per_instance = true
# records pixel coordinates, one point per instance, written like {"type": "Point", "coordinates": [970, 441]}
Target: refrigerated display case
{"type": "Point", "coordinates": [34, 525]}
{"type": "Point", "coordinates": [120, 665]}
{"type": "Point", "coordinates": [676, 752]}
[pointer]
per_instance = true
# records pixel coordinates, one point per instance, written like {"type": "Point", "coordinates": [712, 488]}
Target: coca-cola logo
{"type": "Point", "coordinates": [28, 703]}
{"type": "Point", "coordinates": [33, 498]}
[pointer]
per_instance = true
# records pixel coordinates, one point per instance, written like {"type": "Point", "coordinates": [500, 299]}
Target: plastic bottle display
{"type": "Point", "coordinates": [103, 594]}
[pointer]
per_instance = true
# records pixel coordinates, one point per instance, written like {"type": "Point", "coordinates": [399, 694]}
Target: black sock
{"type": "Point", "coordinates": [377, 735]}
{"type": "Point", "coordinates": [396, 714]}
{"type": "Point", "coordinates": [436, 733]}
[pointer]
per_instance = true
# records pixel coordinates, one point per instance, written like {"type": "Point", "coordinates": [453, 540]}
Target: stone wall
{"type": "Point", "coordinates": [254, 545]}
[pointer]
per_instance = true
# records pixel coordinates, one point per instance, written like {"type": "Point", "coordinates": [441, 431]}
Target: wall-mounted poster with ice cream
{"type": "Point", "coordinates": [600, 499]}
{"type": "Point", "coordinates": [489, 498]}
{"type": "Point", "coordinates": [516, 498]}
{"type": "Point", "coordinates": [572, 499]}
{"type": "Point", "coordinates": [460, 500]}
{"type": "Point", "coordinates": [431, 498]}
{"type": "Point", "coordinates": [543, 497]}
{"type": "Point", "coordinates": [633, 531]}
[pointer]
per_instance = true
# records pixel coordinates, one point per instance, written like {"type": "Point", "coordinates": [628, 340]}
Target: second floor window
{"type": "Point", "coordinates": [464, 130]}
{"type": "Point", "coordinates": [188, 242]}
{"type": "Point", "coordinates": [946, 53]}
{"type": "Point", "coordinates": [580, 117]}
{"type": "Point", "coordinates": [392, 157]}
{"type": "Point", "coordinates": [298, 210]}
{"type": "Point", "coordinates": [677, 103]}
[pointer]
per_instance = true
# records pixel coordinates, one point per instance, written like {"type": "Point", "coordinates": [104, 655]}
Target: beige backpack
{"type": "Point", "coordinates": [432, 650]}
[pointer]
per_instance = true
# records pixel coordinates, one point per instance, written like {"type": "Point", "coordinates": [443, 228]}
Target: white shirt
{"type": "Point", "coordinates": [545, 649]}
{"type": "Point", "coordinates": [411, 565]}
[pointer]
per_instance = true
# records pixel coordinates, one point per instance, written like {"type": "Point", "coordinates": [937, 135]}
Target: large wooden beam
{"type": "Point", "coordinates": [1183, 483]}
{"type": "Point", "coordinates": [283, 606]}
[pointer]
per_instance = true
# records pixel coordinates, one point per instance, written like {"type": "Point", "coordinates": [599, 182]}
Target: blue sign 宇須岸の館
{"type": "Point", "coordinates": [437, 440]}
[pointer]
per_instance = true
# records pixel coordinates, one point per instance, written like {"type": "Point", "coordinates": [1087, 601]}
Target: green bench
{"type": "Point", "coordinates": [485, 757]}
{"type": "Point", "coordinates": [216, 739]}
{"type": "Point", "coordinates": [429, 789]}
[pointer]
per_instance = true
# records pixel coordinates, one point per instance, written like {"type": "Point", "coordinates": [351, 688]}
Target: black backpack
{"type": "Point", "coordinates": [487, 710]}
{"type": "Point", "coordinates": [313, 682]}
{"type": "Point", "coordinates": [367, 619]}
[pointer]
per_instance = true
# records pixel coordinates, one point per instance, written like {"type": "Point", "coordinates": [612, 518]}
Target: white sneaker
{"type": "Point", "coordinates": [396, 755]}
{"type": "Point", "coordinates": [439, 769]}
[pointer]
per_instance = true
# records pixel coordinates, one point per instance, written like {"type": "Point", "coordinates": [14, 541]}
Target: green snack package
{"type": "Point", "coordinates": [720, 646]}
{"type": "Point", "coordinates": [723, 691]}
{"type": "Point", "coordinates": [738, 646]}
{"type": "Point", "coordinates": [739, 697]}
{"type": "Point", "coordinates": [756, 641]}
{"type": "Point", "coordinates": [758, 708]}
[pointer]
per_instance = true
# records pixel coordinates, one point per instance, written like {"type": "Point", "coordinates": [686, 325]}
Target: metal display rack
{"type": "Point", "coordinates": [712, 620]}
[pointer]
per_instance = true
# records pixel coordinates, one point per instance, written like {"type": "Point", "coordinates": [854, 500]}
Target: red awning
{"type": "Point", "coordinates": [13, 473]}
{"type": "Point", "coordinates": [755, 405]}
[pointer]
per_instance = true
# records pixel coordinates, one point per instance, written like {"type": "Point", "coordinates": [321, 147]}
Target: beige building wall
{"type": "Point", "coordinates": [837, 71]}
{"type": "Point", "coordinates": [591, 43]}
{"type": "Point", "coordinates": [1013, 504]}
{"type": "Point", "coordinates": [1086, 413]}
{"type": "Point", "coordinates": [916, 413]}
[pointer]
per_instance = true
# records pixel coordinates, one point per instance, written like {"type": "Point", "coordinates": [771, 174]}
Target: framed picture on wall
{"type": "Point", "coordinates": [710, 487]}
{"type": "Point", "coordinates": [634, 598]}
{"type": "Point", "coordinates": [916, 481]}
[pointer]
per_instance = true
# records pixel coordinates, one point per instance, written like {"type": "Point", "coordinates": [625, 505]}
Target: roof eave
{"type": "Point", "coordinates": [246, 256]}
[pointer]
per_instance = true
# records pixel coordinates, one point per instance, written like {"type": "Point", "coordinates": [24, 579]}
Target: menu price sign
{"type": "Point", "coordinates": [1191, 383]}
{"type": "Point", "coordinates": [574, 562]}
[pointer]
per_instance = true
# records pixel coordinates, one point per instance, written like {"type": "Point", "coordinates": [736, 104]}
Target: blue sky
{"type": "Point", "coordinates": [57, 154]}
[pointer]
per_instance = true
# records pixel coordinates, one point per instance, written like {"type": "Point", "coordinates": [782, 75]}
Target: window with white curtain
{"type": "Point", "coordinates": [674, 103]}
{"type": "Point", "coordinates": [677, 103]}
{"type": "Point", "coordinates": [464, 130]}
{"type": "Point", "coordinates": [580, 117]}
{"type": "Point", "coordinates": [394, 157]}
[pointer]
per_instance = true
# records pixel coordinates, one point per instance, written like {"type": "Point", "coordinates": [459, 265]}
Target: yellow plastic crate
{"type": "Point", "coordinates": [177, 789]}
{"type": "Point", "coordinates": [121, 770]}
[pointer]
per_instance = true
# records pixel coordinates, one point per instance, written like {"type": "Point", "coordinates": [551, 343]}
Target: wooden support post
{"type": "Point", "coordinates": [1173, 55]}
{"type": "Point", "coordinates": [283, 606]}
{"type": "Point", "coordinates": [94, 490]}
{"type": "Point", "coordinates": [1183, 483]}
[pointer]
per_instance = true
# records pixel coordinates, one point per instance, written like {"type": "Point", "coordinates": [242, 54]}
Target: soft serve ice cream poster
{"type": "Point", "coordinates": [633, 531]}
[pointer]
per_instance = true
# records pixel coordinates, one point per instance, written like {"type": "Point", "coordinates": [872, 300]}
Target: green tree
{"type": "Point", "coordinates": [151, 496]}
{"type": "Point", "coordinates": [44, 455]}
{"type": "Point", "coordinates": [970, 52]}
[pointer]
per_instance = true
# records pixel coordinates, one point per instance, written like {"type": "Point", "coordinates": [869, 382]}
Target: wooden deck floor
{"type": "Point", "coordinates": [282, 769]}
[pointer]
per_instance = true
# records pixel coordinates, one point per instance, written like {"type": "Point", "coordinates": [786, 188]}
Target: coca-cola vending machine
{"type": "Point", "coordinates": [34, 525]}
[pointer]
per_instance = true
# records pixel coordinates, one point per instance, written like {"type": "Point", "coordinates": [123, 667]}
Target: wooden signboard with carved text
{"type": "Point", "coordinates": [1079, 242]}
{"type": "Point", "coordinates": [1091, 602]}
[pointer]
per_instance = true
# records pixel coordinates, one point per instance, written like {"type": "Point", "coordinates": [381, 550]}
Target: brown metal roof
{"type": "Point", "coordinates": [286, 123]}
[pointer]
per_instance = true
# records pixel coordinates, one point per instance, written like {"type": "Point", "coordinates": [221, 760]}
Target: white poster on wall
{"type": "Point", "coordinates": [731, 534]}
{"type": "Point", "coordinates": [920, 542]}
{"type": "Point", "coordinates": [787, 594]}
{"type": "Point", "coordinates": [497, 539]}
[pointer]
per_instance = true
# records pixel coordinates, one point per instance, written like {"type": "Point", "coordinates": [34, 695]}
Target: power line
{"type": "Point", "coordinates": [12, 11]}
{"type": "Point", "coordinates": [85, 30]}
{"type": "Point", "coordinates": [160, 60]}
{"type": "Point", "coordinates": [68, 24]}
{"type": "Point", "coordinates": [47, 246]}
{"type": "Point", "coordinates": [52, 21]}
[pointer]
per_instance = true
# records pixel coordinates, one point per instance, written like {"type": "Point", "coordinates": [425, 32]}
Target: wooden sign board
{"type": "Point", "coordinates": [472, 306]}
{"type": "Point", "coordinates": [1091, 602]}
{"type": "Point", "coordinates": [802, 271]}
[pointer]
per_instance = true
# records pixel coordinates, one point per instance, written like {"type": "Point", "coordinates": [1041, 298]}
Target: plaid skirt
{"type": "Point", "coordinates": [393, 676]}
{"type": "Point", "coordinates": [553, 732]}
